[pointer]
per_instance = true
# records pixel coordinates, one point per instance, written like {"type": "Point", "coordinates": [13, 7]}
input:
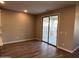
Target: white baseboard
{"type": "Point", "coordinates": [75, 49]}
{"type": "Point", "coordinates": [37, 38]}
{"type": "Point", "coordinates": [65, 49]}
{"type": "Point", "coordinates": [17, 41]}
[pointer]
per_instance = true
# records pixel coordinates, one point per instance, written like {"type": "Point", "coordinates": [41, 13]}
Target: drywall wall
{"type": "Point", "coordinates": [76, 28]}
{"type": "Point", "coordinates": [1, 43]}
{"type": "Point", "coordinates": [16, 26]}
{"type": "Point", "coordinates": [65, 25]}
{"type": "Point", "coordinates": [67, 19]}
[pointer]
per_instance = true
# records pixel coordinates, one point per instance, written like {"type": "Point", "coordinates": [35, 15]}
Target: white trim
{"type": "Point", "coordinates": [75, 49]}
{"type": "Point", "coordinates": [17, 41]}
{"type": "Point", "coordinates": [71, 51]}
{"type": "Point", "coordinates": [37, 38]}
{"type": "Point", "coordinates": [65, 49]}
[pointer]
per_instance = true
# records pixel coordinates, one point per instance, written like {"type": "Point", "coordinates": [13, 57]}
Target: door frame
{"type": "Point", "coordinates": [58, 14]}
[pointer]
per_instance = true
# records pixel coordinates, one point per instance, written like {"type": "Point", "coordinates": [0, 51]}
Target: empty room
{"type": "Point", "coordinates": [39, 29]}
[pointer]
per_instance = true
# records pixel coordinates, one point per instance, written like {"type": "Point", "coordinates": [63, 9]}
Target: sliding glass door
{"type": "Point", "coordinates": [53, 30]}
{"type": "Point", "coordinates": [50, 29]}
{"type": "Point", "coordinates": [45, 29]}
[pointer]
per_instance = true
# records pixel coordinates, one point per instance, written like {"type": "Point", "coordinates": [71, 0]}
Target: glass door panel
{"type": "Point", "coordinates": [53, 30]}
{"type": "Point", "coordinates": [45, 29]}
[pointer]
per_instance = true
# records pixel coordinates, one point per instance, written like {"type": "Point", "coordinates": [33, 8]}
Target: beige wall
{"type": "Point", "coordinates": [1, 43]}
{"type": "Point", "coordinates": [16, 26]}
{"type": "Point", "coordinates": [76, 28]}
{"type": "Point", "coordinates": [67, 19]}
{"type": "Point", "coordinates": [66, 26]}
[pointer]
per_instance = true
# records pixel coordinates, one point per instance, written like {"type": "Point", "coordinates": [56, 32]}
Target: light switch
{"type": "Point", "coordinates": [61, 32]}
{"type": "Point", "coordinates": [65, 33]}
{"type": "Point", "coordinates": [0, 31]}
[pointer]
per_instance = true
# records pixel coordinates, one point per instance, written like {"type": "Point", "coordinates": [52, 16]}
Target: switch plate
{"type": "Point", "coordinates": [63, 44]}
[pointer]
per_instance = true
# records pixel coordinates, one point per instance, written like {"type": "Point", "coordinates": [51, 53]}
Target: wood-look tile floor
{"type": "Point", "coordinates": [34, 49]}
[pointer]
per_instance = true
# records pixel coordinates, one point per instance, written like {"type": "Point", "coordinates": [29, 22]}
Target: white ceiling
{"type": "Point", "coordinates": [36, 7]}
